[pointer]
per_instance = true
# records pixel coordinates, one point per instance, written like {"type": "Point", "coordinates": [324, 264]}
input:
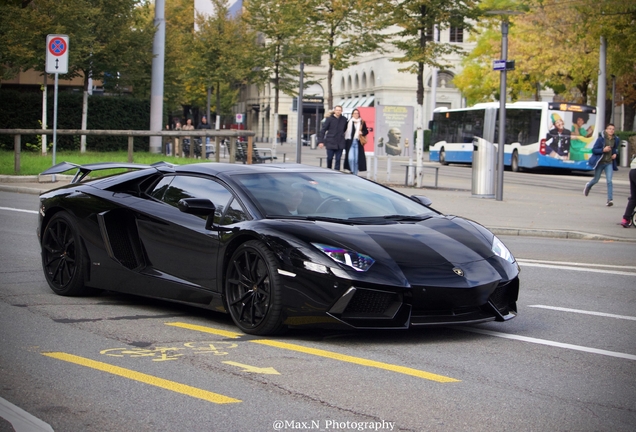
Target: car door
{"type": "Point", "coordinates": [177, 244]}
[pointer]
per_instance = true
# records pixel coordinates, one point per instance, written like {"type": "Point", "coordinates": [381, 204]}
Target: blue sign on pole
{"type": "Point", "coordinates": [499, 65]}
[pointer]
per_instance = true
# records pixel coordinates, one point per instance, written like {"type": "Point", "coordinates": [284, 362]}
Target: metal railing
{"type": "Point", "coordinates": [231, 134]}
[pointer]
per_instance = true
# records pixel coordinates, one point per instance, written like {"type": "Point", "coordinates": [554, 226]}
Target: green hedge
{"type": "Point", "coordinates": [24, 110]}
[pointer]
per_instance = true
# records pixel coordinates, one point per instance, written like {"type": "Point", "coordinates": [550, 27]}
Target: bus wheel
{"type": "Point", "coordinates": [442, 157]}
{"type": "Point", "coordinates": [514, 163]}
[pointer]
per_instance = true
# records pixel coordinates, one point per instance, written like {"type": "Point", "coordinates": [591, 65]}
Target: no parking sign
{"type": "Point", "coordinates": [57, 54]}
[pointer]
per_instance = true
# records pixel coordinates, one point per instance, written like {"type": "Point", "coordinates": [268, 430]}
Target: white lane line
{"type": "Point", "coordinates": [575, 264]}
{"type": "Point", "coordinates": [21, 420]}
{"type": "Point", "coordinates": [562, 309]}
{"type": "Point", "coordinates": [590, 270]}
{"type": "Point", "coordinates": [549, 343]}
{"type": "Point", "coordinates": [19, 210]}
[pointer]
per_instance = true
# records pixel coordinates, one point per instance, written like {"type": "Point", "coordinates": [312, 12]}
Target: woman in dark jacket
{"type": "Point", "coordinates": [355, 160]}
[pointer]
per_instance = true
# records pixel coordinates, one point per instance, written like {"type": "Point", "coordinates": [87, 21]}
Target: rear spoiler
{"type": "Point", "coordinates": [84, 170]}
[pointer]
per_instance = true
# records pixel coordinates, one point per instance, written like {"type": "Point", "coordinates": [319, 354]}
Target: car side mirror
{"type": "Point", "coordinates": [422, 199]}
{"type": "Point", "coordinates": [198, 207]}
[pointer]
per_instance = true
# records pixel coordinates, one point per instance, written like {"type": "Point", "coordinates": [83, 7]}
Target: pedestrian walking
{"type": "Point", "coordinates": [631, 202]}
{"type": "Point", "coordinates": [354, 149]}
{"type": "Point", "coordinates": [603, 159]}
{"type": "Point", "coordinates": [332, 136]}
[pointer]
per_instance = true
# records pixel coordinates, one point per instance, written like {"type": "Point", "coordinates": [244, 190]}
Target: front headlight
{"type": "Point", "coordinates": [357, 261]}
{"type": "Point", "coordinates": [501, 250]}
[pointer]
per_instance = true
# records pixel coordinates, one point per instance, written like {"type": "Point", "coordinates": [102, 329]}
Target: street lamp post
{"type": "Point", "coordinates": [299, 136]}
{"type": "Point", "coordinates": [502, 111]}
{"type": "Point", "coordinates": [502, 96]}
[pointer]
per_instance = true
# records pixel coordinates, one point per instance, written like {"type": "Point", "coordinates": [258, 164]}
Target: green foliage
{"type": "Point", "coordinates": [283, 25]}
{"type": "Point", "coordinates": [416, 18]}
{"type": "Point", "coordinates": [555, 45]}
{"type": "Point", "coordinates": [33, 163]}
{"type": "Point", "coordinates": [24, 110]}
{"type": "Point", "coordinates": [344, 29]}
{"type": "Point", "coordinates": [105, 36]}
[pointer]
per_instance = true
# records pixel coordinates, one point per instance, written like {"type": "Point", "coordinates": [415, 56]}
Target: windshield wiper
{"type": "Point", "coordinates": [310, 218]}
{"type": "Point", "coordinates": [409, 218]}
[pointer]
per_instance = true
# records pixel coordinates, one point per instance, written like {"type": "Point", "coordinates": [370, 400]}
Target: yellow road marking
{"type": "Point", "coordinates": [357, 360]}
{"type": "Point", "coordinates": [254, 369]}
{"type": "Point", "coordinates": [203, 329]}
{"type": "Point", "coordinates": [323, 353]}
{"type": "Point", "coordinates": [144, 378]}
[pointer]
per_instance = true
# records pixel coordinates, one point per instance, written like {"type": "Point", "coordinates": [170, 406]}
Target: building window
{"type": "Point", "coordinates": [430, 31]}
{"type": "Point", "coordinates": [457, 34]}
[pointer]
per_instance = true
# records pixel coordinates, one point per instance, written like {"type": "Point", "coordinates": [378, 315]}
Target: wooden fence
{"type": "Point", "coordinates": [231, 134]}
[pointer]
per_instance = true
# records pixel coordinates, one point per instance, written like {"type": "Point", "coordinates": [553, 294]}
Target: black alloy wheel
{"type": "Point", "coordinates": [252, 290]}
{"type": "Point", "coordinates": [63, 257]}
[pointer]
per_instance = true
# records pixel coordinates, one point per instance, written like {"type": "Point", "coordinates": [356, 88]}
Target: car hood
{"type": "Point", "coordinates": [421, 253]}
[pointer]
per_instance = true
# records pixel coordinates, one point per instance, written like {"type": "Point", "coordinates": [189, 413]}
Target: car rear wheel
{"type": "Point", "coordinates": [442, 157]}
{"type": "Point", "coordinates": [252, 289]}
{"type": "Point", "coordinates": [63, 259]}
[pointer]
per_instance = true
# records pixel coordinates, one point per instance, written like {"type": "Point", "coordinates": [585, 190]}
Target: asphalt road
{"type": "Point", "coordinates": [115, 362]}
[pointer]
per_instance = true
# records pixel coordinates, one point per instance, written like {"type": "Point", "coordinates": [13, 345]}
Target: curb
{"type": "Point", "coordinates": [572, 235]}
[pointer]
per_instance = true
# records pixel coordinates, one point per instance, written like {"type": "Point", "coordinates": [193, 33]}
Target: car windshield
{"type": "Point", "coordinates": [328, 195]}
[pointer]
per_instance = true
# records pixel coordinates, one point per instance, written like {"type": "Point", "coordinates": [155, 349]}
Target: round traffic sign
{"type": "Point", "coordinates": [57, 46]}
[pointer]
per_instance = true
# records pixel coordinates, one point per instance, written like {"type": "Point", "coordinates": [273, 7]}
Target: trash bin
{"type": "Point", "coordinates": [624, 154]}
{"type": "Point", "coordinates": [484, 163]}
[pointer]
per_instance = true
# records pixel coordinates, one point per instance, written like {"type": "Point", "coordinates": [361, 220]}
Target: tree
{"type": "Point", "coordinates": [344, 29]}
{"type": "Point", "coordinates": [105, 38]}
{"type": "Point", "coordinates": [556, 45]}
{"type": "Point", "coordinates": [282, 26]}
{"type": "Point", "coordinates": [417, 20]}
{"type": "Point", "coordinates": [224, 54]}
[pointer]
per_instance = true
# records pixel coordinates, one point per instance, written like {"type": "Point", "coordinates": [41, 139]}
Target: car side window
{"type": "Point", "coordinates": [183, 186]}
{"type": "Point", "coordinates": [161, 187]}
{"type": "Point", "coordinates": [234, 214]}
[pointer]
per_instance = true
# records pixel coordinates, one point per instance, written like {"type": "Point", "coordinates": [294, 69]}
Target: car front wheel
{"type": "Point", "coordinates": [252, 289]}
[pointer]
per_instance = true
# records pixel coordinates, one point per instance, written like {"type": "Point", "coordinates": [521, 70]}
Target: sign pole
{"type": "Point", "coordinates": [55, 118]}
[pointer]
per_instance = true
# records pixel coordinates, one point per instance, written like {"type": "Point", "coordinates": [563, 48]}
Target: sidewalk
{"type": "Point", "coordinates": [541, 211]}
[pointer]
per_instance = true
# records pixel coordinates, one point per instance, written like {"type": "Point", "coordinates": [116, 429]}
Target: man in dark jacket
{"type": "Point", "coordinates": [332, 136]}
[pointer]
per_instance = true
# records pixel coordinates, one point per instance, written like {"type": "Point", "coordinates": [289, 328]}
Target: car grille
{"type": "Point", "coordinates": [370, 302]}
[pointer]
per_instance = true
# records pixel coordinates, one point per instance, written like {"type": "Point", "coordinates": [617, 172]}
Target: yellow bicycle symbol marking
{"type": "Point", "coordinates": [172, 353]}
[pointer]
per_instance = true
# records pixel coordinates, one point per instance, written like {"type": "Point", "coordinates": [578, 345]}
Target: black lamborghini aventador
{"type": "Point", "coordinates": [273, 245]}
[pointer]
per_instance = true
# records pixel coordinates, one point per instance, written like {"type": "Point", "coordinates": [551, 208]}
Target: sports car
{"type": "Point", "coordinates": [273, 245]}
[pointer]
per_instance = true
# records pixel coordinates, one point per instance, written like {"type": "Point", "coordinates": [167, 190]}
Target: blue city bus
{"type": "Point", "coordinates": [538, 134]}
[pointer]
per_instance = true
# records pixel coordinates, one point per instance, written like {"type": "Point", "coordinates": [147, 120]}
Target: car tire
{"type": "Point", "coordinates": [253, 290]}
{"type": "Point", "coordinates": [514, 162]}
{"type": "Point", "coordinates": [63, 257]}
{"type": "Point", "coordinates": [442, 157]}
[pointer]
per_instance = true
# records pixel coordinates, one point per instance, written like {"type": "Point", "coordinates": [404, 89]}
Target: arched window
{"type": "Point", "coordinates": [444, 80]}
{"type": "Point", "coordinates": [364, 80]}
{"type": "Point", "coordinates": [372, 80]}
{"type": "Point", "coordinates": [342, 85]}
{"type": "Point", "coordinates": [349, 87]}
{"type": "Point", "coordinates": [356, 83]}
